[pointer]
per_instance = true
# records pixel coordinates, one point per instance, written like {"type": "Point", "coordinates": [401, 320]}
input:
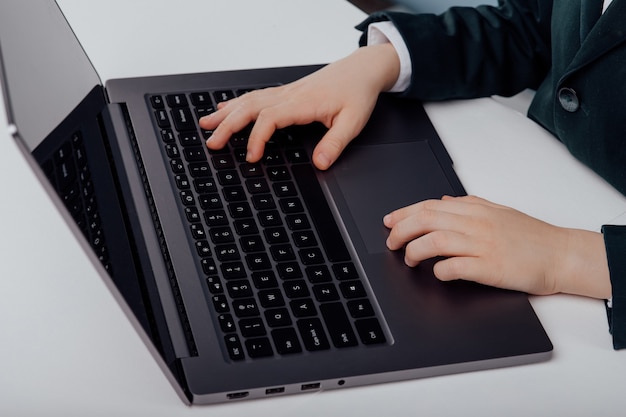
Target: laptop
{"type": "Point", "coordinates": [249, 280]}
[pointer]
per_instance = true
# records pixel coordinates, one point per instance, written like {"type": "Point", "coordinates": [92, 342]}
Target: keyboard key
{"type": "Point", "coordinates": [263, 202]}
{"type": "Point", "coordinates": [296, 289]}
{"type": "Point", "coordinates": [259, 347]}
{"type": "Point", "coordinates": [297, 222]}
{"type": "Point", "coordinates": [228, 252]}
{"type": "Point", "coordinates": [258, 261]}
{"type": "Point", "coordinates": [201, 98]}
{"type": "Point", "coordinates": [312, 333]}
{"type": "Point", "coordinates": [210, 201]}
{"type": "Point", "coordinates": [215, 285]}
{"type": "Point", "coordinates": [352, 289]}
{"type": "Point", "coordinates": [200, 169]}
{"type": "Point", "coordinates": [224, 95]}
{"type": "Point", "coordinates": [245, 308]}
{"type": "Point", "coordinates": [245, 227]}
{"type": "Point", "coordinates": [360, 308]}
{"type": "Point", "coordinates": [304, 239]}
{"type": "Point", "coordinates": [338, 325]}
{"type": "Point", "coordinates": [257, 186]}
{"type": "Point", "coordinates": [278, 317]}
{"type": "Point", "coordinates": [220, 303]}
{"type": "Point", "coordinates": [285, 189]}
{"type": "Point", "coordinates": [270, 218]}
{"type": "Point", "coordinates": [216, 218]}
{"type": "Point", "coordinates": [234, 193]}
{"type": "Point", "coordinates": [234, 348]}
{"type": "Point", "coordinates": [183, 119]}
{"type": "Point", "coordinates": [252, 327]}
{"type": "Point", "coordinates": [303, 308]}
{"type": "Point", "coordinates": [233, 270]}
{"type": "Point", "coordinates": [167, 135]}
{"type": "Point", "coordinates": [325, 292]}
{"type": "Point", "coordinates": [286, 341]}
{"type": "Point", "coordinates": [176, 100]}
{"type": "Point", "coordinates": [370, 332]}
{"type": "Point", "coordinates": [271, 298]}
{"type": "Point", "coordinates": [163, 121]}
{"type": "Point", "coordinates": [223, 162]}
{"type": "Point", "coordinates": [291, 205]}
{"type": "Point", "coordinates": [275, 235]}
{"type": "Point", "coordinates": [205, 185]}
{"type": "Point", "coordinates": [282, 253]}
{"type": "Point", "coordinates": [194, 154]}
{"type": "Point", "coordinates": [345, 271]}
{"type": "Point", "coordinates": [249, 170]}
{"type": "Point", "coordinates": [189, 139]}
{"type": "Point", "coordinates": [280, 173]}
{"type": "Point", "coordinates": [311, 256]}
{"type": "Point", "coordinates": [227, 324]}
{"type": "Point", "coordinates": [239, 288]}
{"type": "Point", "coordinates": [157, 102]}
{"type": "Point", "coordinates": [264, 279]}
{"type": "Point", "coordinates": [252, 243]}
{"type": "Point", "coordinates": [318, 274]}
{"type": "Point", "coordinates": [289, 270]}
{"type": "Point", "coordinates": [240, 210]}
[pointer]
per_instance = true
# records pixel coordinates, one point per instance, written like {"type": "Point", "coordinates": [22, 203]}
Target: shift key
{"type": "Point", "coordinates": [338, 324]}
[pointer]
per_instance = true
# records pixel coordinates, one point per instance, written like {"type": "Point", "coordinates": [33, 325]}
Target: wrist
{"type": "Point", "coordinates": [383, 62]}
{"type": "Point", "coordinates": [583, 268]}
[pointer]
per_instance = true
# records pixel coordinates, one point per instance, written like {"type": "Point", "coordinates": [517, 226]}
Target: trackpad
{"type": "Point", "coordinates": [378, 179]}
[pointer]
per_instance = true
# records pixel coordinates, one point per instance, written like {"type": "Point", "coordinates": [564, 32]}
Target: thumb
{"type": "Point", "coordinates": [343, 130]}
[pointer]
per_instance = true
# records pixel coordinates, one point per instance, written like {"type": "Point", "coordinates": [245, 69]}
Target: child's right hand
{"type": "Point", "coordinates": [341, 95]}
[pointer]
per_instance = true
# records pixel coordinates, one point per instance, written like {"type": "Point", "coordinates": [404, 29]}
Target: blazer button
{"type": "Point", "coordinates": [568, 99]}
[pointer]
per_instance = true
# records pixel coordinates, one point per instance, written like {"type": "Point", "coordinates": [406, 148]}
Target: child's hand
{"type": "Point", "coordinates": [498, 246]}
{"type": "Point", "coordinates": [341, 95]}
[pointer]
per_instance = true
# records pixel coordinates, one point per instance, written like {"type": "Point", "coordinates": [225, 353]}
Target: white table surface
{"type": "Point", "coordinates": [68, 350]}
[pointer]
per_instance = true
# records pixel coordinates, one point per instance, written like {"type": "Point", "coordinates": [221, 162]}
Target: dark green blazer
{"type": "Point", "coordinates": [564, 49]}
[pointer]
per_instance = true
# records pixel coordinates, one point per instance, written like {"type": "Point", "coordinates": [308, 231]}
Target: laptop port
{"type": "Point", "coordinates": [308, 387]}
{"type": "Point", "coordinates": [271, 391]}
{"type": "Point", "coordinates": [237, 395]}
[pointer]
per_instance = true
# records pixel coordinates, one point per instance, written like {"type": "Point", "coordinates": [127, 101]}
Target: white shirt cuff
{"type": "Point", "coordinates": [386, 32]}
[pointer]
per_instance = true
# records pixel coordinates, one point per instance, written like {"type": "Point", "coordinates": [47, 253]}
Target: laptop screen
{"type": "Point", "coordinates": [46, 72]}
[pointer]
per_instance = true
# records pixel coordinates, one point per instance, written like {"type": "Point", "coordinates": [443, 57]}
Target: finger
{"type": "Point", "coordinates": [438, 243]}
{"type": "Point", "coordinates": [235, 115]}
{"type": "Point", "coordinates": [271, 119]}
{"type": "Point", "coordinates": [212, 120]}
{"type": "Point", "coordinates": [232, 118]}
{"type": "Point", "coordinates": [422, 222]}
{"type": "Point", "coordinates": [345, 127]}
{"type": "Point", "coordinates": [453, 268]}
{"type": "Point", "coordinates": [465, 206]}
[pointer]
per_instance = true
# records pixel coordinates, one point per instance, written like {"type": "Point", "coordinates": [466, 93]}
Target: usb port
{"type": "Point", "coordinates": [271, 391]}
{"type": "Point", "coordinates": [237, 395]}
{"type": "Point", "coordinates": [308, 387]}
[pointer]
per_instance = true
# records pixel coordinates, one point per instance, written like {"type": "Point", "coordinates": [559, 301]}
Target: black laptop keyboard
{"type": "Point", "coordinates": [278, 273]}
{"type": "Point", "coordinates": [68, 171]}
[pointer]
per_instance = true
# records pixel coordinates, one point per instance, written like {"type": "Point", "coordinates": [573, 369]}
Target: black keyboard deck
{"type": "Point", "coordinates": [278, 273]}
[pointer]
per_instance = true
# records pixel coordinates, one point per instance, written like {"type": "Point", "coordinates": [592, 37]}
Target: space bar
{"type": "Point", "coordinates": [315, 200]}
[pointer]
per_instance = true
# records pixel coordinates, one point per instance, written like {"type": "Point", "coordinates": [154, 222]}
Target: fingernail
{"type": "Point", "coordinates": [387, 220]}
{"type": "Point", "coordinates": [323, 161]}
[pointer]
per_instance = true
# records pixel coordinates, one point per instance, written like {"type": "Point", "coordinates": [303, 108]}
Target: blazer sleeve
{"type": "Point", "coordinates": [615, 243]}
{"type": "Point", "coordinates": [474, 52]}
